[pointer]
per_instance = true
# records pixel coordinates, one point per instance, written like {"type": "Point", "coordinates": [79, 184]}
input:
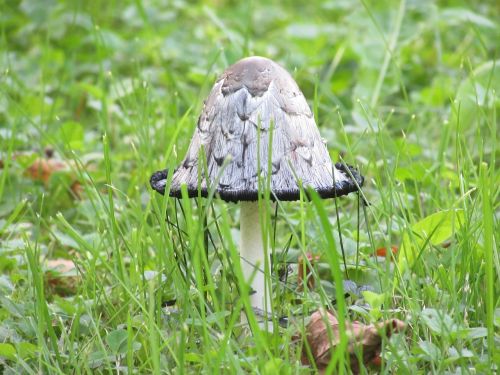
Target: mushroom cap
{"type": "Point", "coordinates": [256, 121]}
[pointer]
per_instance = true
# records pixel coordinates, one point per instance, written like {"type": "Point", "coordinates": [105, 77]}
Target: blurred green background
{"type": "Point", "coordinates": [367, 61]}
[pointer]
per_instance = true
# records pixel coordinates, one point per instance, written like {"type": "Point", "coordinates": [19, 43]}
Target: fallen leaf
{"type": "Point", "coordinates": [61, 277]}
{"type": "Point", "coordinates": [323, 335]}
{"type": "Point", "coordinates": [42, 169]}
{"type": "Point", "coordinates": [382, 251]}
{"type": "Point", "coordinates": [307, 275]}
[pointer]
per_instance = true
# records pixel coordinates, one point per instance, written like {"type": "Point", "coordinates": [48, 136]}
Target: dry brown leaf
{"type": "Point", "coordinates": [61, 277]}
{"type": "Point", "coordinates": [42, 169]}
{"type": "Point", "coordinates": [323, 335]}
{"type": "Point", "coordinates": [382, 251]}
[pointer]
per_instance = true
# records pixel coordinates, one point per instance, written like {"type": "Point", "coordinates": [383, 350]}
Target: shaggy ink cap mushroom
{"type": "Point", "coordinates": [252, 99]}
{"type": "Point", "coordinates": [249, 100]}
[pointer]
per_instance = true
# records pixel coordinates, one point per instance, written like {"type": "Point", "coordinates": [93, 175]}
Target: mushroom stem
{"type": "Point", "coordinates": [253, 255]}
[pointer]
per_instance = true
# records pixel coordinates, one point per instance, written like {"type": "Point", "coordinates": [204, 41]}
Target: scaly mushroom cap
{"type": "Point", "coordinates": [256, 114]}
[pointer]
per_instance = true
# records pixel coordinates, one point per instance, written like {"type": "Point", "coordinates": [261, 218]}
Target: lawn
{"type": "Point", "coordinates": [101, 274]}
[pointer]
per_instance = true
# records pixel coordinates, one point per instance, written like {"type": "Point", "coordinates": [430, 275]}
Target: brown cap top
{"type": "Point", "coordinates": [256, 121]}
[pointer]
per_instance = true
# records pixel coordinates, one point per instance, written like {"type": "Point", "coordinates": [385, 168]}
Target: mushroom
{"type": "Point", "coordinates": [252, 99]}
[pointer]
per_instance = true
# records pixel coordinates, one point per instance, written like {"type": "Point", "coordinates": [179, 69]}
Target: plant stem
{"type": "Point", "coordinates": [252, 253]}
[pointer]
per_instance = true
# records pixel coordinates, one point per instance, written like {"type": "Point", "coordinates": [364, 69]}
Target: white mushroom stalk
{"type": "Point", "coordinates": [252, 253]}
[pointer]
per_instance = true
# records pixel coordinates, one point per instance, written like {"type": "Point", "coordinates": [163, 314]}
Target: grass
{"type": "Point", "coordinates": [406, 91]}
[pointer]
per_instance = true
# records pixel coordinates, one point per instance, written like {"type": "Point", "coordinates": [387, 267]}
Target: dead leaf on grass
{"type": "Point", "coordinates": [323, 335]}
{"type": "Point", "coordinates": [42, 169]}
{"type": "Point", "coordinates": [383, 252]}
{"type": "Point", "coordinates": [61, 277]}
